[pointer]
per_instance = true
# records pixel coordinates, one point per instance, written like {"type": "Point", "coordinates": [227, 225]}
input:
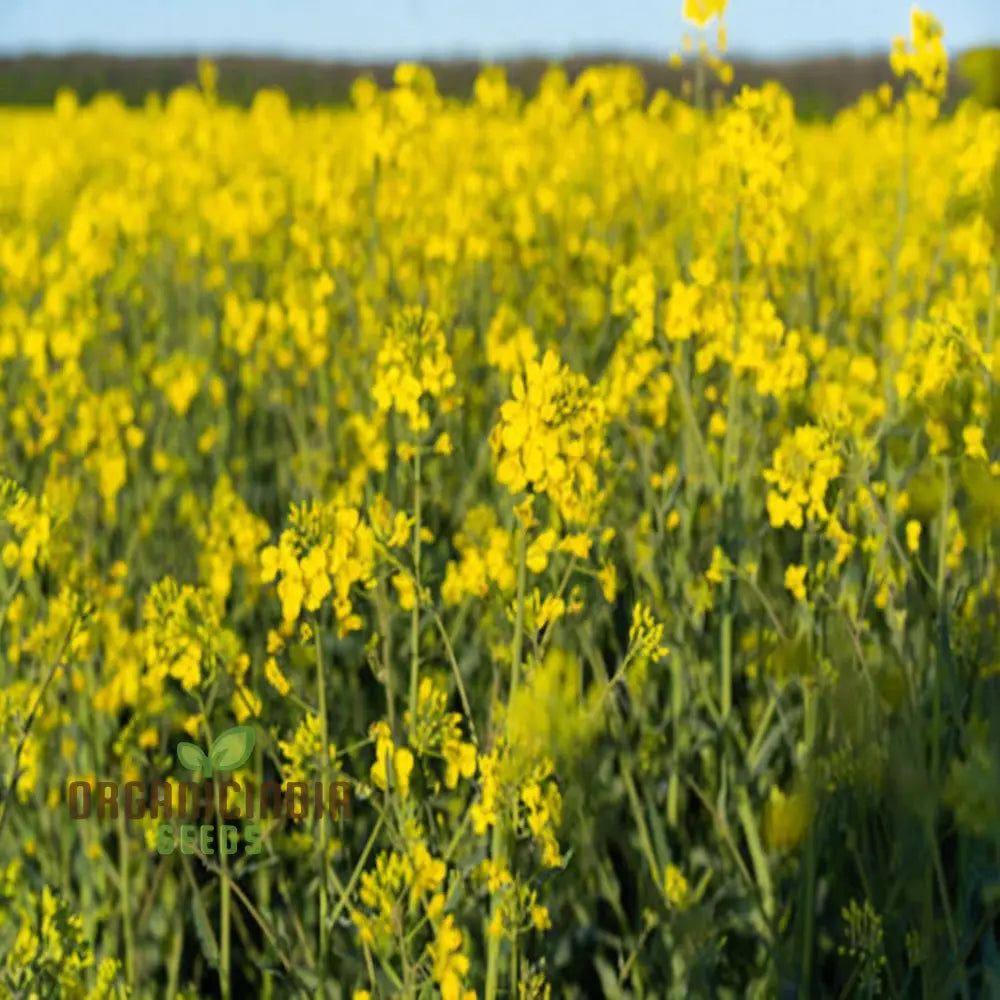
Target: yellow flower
{"type": "Point", "coordinates": [315, 578]}
{"type": "Point", "coordinates": [701, 12]}
{"type": "Point", "coordinates": [913, 529]}
{"type": "Point", "coordinates": [974, 448]}
{"type": "Point", "coordinates": [716, 570]}
{"type": "Point", "coordinates": [608, 578]}
{"type": "Point", "coordinates": [537, 555]}
{"type": "Point", "coordinates": [207, 441]}
{"type": "Point", "coordinates": [275, 677]}
{"type": "Point", "coordinates": [402, 768]}
{"type": "Point", "coordinates": [786, 819]}
{"type": "Point", "coordinates": [406, 589]}
{"type": "Point", "coordinates": [450, 966]}
{"type": "Point", "coordinates": [460, 759]}
{"type": "Point", "coordinates": [675, 885]}
{"type": "Point", "coordinates": [291, 592]}
{"type": "Point", "coordinates": [245, 704]}
{"type": "Point", "coordinates": [577, 545]}
{"type": "Point", "coordinates": [795, 581]}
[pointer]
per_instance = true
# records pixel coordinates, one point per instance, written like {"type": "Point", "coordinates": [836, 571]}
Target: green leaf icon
{"type": "Point", "coordinates": [193, 757]}
{"type": "Point", "coordinates": [232, 748]}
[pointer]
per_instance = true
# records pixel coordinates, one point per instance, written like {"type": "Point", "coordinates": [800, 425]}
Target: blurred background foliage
{"type": "Point", "coordinates": [981, 69]}
{"type": "Point", "coordinates": [820, 86]}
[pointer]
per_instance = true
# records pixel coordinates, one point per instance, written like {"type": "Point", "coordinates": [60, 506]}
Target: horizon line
{"type": "Point", "coordinates": [381, 59]}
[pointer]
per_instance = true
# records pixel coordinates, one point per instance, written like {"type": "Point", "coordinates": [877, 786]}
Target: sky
{"type": "Point", "coordinates": [411, 29]}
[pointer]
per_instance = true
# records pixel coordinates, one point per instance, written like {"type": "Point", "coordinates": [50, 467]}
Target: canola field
{"type": "Point", "coordinates": [598, 491]}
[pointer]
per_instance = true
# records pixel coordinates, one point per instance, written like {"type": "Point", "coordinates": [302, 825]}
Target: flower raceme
{"type": "Point", "coordinates": [325, 551]}
{"type": "Point", "coordinates": [804, 464]}
{"type": "Point", "coordinates": [32, 524]}
{"type": "Point", "coordinates": [550, 437]}
{"type": "Point", "coordinates": [701, 12]}
{"type": "Point", "coordinates": [927, 58]}
{"type": "Point", "coordinates": [413, 363]}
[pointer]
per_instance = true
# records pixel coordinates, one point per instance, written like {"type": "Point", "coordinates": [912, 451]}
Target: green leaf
{"type": "Point", "coordinates": [609, 981]}
{"type": "Point", "coordinates": [232, 748]}
{"type": "Point", "coordinates": [203, 926]}
{"type": "Point", "coordinates": [191, 756]}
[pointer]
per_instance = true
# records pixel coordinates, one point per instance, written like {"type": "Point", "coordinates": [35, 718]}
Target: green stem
{"type": "Point", "coordinates": [645, 841]}
{"type": "Point", "coordinates": [263, 883]}
{"type": "Point", "coordinates": [225, 982]}
{"type": "Point", "coordinates": [732, 421]}
{"type": "Point", "coordinates": [225, 959]}
{"type": "Point", "coordinates": [415, 615]}
{"type": "Point", "coordinates": [381, 605]}
{"type": "Point", "coordinates": [939, 680]}
{"type": "Point", "coordinates": [809, 905]}
{"type": "Point", "coordinates": [125, 900]}
{"type": "Point", "coordinates": [345, 894]}
{"type": "Point", "coordinates": [991, 314]}
{"type": "Point", "coordinates": [10, 786]}
{"type": "Point", "coordinates": [676, 708]}
{"type": "Point", "coordinates": [519, 616]}
{"type": "Point", "coordinates": [729, 446]}
{"type": "Point", "coordinates": [941, 570]}
{"type": "Point", "coordinates": [761, 868]}
{"type": "Point", "coordinates": [726, 666]}
{"type": "Point", "coordinates": [497, 845]}
{"type": "Point", "coordinates": [513, 961]}
{"type": "Point", "coordinates": [174, 961]}
{"type": "Point", "coordinates": [323, 771]}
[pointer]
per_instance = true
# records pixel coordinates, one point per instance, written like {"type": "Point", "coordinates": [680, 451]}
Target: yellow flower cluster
{"type": "Point", "coordinates": [485, 558]}
{"type": "Point", "coordinates": [927, 58]}
{"type": "Point", "coordinates": [393, 764]}
{"type": "Point", "coordinates": [183, 633]}
{"type": "Point", "coordinates": [550, 437]}
{"type": "Point", "coordinates": [510, 343]}
{"type": "Point", "coordinates": [803, 466]}
{"type": "Point", "coordinates": [381, 890]}
{"type": "Point", "coordinates": [50, 952]}
{"type": "Point", "coordinates": [399, 882]}
{"type": "Point", "coordinates": [451, 965]}
{"type": "Point", "coordinates": [547, 716]}
{"type": "Point", "coordinates": [752, 165]}
{"type": "Point", "coordinates": [438, 731]}
{"type": "Point", "coordinates": [635, 362]}
{"type": "Point", "coordinates": [304, 751]}
{"type": "Point", "coordinates": [325, 551]}
{"type": "Point", "coordinates": [413, 363]}
{"type": "Point", "coordinates": [518, 910]}
{"type": "Point", "coordinates": [506, 781]}
{"type": "Point", "coordinates": [32, 524]}
{"type": "Point", "coordinates": [230, 538]}
{"type": "Point", "coordinates": [701, 12]}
